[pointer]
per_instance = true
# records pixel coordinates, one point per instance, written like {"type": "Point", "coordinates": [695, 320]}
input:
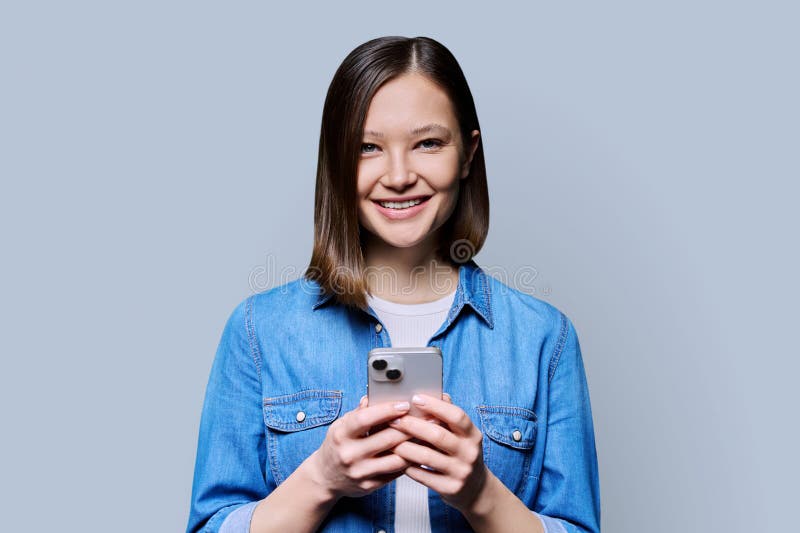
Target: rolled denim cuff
{"type": "Point", "coordinates": [238, 521]}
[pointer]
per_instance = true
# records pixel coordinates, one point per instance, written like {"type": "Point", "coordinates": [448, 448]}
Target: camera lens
{"type": "Point", "coordinates": [393, 374]}
{"type": "Point", "coordinates": [379, 364]}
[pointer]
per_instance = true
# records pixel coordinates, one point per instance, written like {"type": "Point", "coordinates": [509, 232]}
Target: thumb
{"type": "Point", "coordinates": [362, 402]}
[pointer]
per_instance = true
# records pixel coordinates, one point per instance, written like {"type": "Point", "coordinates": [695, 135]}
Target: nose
{"type": "Point", "coordinates": [399, 175]}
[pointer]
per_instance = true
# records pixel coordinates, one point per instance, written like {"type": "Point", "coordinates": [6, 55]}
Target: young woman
{"type": "Point", "coordinates": [401, 207]}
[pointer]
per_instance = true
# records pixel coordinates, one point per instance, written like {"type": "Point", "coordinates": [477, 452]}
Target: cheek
{"type": "Point", "coordinates": [363, 210]}
{"type": "Point", "coordinates": [450, 206]}
{"type": "Point", "coordinates": [439, 167]}
{"type": "Point", "coordinates": [368, 174]}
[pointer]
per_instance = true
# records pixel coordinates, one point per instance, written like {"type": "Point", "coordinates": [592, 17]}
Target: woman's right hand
{"type": "Point", "coordinates": [347, 464]}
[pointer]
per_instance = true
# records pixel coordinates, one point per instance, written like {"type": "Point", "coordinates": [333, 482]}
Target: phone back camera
{"type": "Point", "coordinates": [393, 374]}
{"type": "Point", "coordinates": [379, 364]}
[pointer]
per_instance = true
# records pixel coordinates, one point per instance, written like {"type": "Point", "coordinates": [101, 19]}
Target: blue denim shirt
{"type": "Point", "coordinates": [512, 362]}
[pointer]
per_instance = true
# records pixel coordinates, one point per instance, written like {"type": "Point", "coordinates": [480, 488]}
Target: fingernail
{"type": "Point", "coordinates": [402, 406]}
{"type": "Point", "coordinates": [395, 422]}
{"type": "Point", "coordinates": [417, 400]}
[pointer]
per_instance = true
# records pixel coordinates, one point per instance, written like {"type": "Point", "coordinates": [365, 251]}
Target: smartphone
{"type": "Point", "coordinates": [396, 374]}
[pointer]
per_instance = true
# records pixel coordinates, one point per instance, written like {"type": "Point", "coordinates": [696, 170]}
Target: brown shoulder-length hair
{"type": "Point", "coordinates": [337, 261]}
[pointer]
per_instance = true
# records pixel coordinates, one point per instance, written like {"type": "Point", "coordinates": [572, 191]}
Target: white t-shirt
{"type": "Point", "coordinates": [411, 325]}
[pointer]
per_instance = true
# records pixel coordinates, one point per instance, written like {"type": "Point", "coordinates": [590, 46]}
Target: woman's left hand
{"type": "Point", "coordinates": [456, 452]}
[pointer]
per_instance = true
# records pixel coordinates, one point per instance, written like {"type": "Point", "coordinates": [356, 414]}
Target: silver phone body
{"type": "Point", "coordinates": [420, 370]}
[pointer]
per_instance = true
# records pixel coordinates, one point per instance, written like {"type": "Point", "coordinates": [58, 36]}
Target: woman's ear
{"type": "Point", "coordinates": [473, 145]}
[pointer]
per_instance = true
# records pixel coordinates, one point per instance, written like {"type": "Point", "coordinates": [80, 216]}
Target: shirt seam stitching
{"type": "Point", "coordinates": [559, 348]}
{"type": "Point", "coordinates": [251, 335]}
{"type": "Point", "coordinates": [487, 293]}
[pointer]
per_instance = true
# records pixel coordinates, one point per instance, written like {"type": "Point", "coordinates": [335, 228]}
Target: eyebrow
{"type": "Point", "coordinates": [428, 128]}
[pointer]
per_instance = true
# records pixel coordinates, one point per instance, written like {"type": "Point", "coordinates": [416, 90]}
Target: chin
{"type": "Point", "coordinates": [401, 243]}
{"type": "Point", "coordinates": [391, 237]}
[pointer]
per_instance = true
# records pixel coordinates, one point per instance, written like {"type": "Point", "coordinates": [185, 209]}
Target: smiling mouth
{"type": "Point", "coordinates": [402, 205]}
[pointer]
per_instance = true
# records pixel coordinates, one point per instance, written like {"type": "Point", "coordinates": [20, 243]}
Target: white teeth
{"type": "Point", "coordinates": [400, 205]}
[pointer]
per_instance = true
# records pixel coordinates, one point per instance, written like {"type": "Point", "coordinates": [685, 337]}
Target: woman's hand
{"type": "Point", "coordinates": [347, 463]}
{"type": "Point", "coordinates": [456, 451]}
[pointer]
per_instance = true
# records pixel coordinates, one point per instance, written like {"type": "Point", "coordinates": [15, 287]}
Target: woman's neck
{"type": "Point", "coordinates": [408, 275]}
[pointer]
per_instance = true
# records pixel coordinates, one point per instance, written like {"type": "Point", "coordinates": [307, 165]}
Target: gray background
{"type": "Point", "coordinates": [157, 163]}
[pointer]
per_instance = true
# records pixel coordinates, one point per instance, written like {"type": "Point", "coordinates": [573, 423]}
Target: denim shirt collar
{"type": "Point", "coordinates": [473, 290]}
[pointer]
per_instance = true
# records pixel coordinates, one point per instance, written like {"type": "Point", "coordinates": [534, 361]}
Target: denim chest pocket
{"type": "Point", "coordinates": [296, 426]}
{"type": "Point", "coordinates": [509, 434]}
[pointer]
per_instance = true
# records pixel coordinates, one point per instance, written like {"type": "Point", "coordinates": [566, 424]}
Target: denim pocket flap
{"type": "Point", "coordinates": [302, 410]}
{"type": "Point", "coordinates": [512, 426]}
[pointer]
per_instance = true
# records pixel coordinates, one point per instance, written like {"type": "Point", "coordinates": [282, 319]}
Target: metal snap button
{"type": "Point", "coordinates": [300, 416]}
{"type": "Point", "coordinates": [517, 436]}
{"type": "Point", "coordinates": [378, 328]}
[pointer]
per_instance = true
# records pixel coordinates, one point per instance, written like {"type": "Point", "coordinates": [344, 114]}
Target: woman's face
{"type": "Point", "coordinates": [410, 154]}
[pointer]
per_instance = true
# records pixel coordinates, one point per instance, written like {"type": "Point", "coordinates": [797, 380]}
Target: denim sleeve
{"type": "Point", "coordinates": [569, 487]}
{"type": "Point", "coordinates": [228, 474]}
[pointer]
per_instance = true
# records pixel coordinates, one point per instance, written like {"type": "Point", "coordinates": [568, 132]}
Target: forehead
{"type": "Point", "coordinates": [406, 102]}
